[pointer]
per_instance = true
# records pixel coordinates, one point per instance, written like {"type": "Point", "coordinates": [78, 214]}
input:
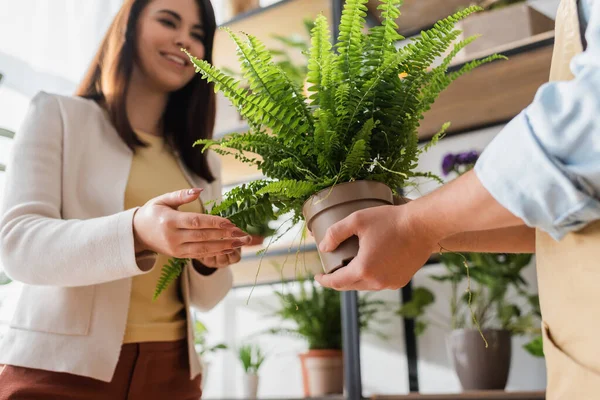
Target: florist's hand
{"type": "Point", "coordinates": [160, 227]}
{"type": "Point", "coordinates": [223, 260]}
{"type": "Point", "coordinates": [393, 246]}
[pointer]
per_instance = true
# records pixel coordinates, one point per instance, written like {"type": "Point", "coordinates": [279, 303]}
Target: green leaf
{"type": "Point", "coordinates": [4, 279]}
{"type": "Point", "coordinates": [170, 272]}
{"type": "Point", "coordinates": [535, 347]}
{"type": "Point", "coordinates": [420, 327]}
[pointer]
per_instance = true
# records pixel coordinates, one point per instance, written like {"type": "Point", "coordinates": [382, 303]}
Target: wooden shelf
{"type": "Point", "coordinates": [419, 14]}
{"type": "Point", "coordinates": [277, 266]}
{"type": "Point", "coordinates": [485, 395]}
{"type": "Point", "coordinates": [475, 395]}
{"type": "Point", "coordinates": [284, 18]}
{"type": "Point", "coordinates": [494, 93]}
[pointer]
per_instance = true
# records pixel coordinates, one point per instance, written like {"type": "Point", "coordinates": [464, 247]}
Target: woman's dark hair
{"type": "Point", "coordinates": [190, 111]}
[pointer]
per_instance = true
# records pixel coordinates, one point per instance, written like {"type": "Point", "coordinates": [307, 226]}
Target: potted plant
{"type": "Point", "coordinates": [354, 142]}
{"type": "Point", "coordinates": [486, 310]}
{"type": "Point", "coordinates": [203, 349]}
{"type": "Point", "coordinates": [316, 314]}
{"type": "Point", "coordinates": [251, 357]}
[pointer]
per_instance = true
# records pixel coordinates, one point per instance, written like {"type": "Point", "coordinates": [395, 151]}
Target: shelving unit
{"type": "Point", "coordinates": [508, 87]}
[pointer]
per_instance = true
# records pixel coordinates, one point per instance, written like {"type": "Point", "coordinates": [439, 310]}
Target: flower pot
{"type": "Point", "coordinates": [322, 372]}
{"type": "Point", "coordinates": [331, 205]}
{"type": "Point", "coordinates": [250, 386]}
{"type": "Point", "coordinates": [204, 377]}
{"type": "Point", "coordinates": [479, 368]}
{"type": "Point", "coordinates": [502, 26]}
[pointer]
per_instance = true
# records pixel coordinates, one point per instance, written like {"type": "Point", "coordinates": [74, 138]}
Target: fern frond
{"type": "Point", "coordinates": [381, 40]}
{"type": "Point", "coordinates": [351, 39]}
{"type": "Point", "coordinates": [436, 138]}
{"type": "Point", "coordinates": [327, 143]}
{"type": "Point", "coordinates": [255, 107]}
{"type": "Point", "coordinates": [282, 88]}
{"type": "Point", "coordinates": [170, 272]}
{"type": "Point", "coordinates": [428, 175]}
{"type": "Point", "coordinates": [442, 80]}
{"type": "Point", "coordinates": [289, 189]}
{"type": "Point", "coordinates": [319, 60]}
{"type": "Point", "coordinates": [355, 160]}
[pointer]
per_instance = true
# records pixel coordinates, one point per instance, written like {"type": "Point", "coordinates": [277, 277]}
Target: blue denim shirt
{"type": "Point", "coordinates": [544, 166]}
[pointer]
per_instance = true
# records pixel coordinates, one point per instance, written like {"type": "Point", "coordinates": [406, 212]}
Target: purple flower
{"type": "Point", "coordinates": [448, 163]}
{"type": "Point", "coordinates": [467, 158]}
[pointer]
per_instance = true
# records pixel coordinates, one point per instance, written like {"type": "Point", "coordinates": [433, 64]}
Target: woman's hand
{"type": "Point", "coordinates": [223, 260]}
{"type": "Point", "coordinates": [159, 226]}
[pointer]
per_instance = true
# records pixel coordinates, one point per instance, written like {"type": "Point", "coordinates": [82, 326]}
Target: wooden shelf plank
{"type": "Point", "coordinates": [474, 395]}
{"type": "Point", "coordinates": [284, 18]}
{"type": "Point", "coordinates": [276, 267]}
{"type": "Point", "coordinates": [493, 93]}
{"type": "Point", "coordinates": [417, 15]}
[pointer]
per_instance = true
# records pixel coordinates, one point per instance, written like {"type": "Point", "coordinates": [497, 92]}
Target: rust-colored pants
{"type": "Point", "coordinates": [146, 371]}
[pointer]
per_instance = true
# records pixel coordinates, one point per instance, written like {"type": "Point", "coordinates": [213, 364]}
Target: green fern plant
{"type": "Point", "coordinates": [252, 357]}
{"type": "Point", "coordinates": [360, 120]}
{"type": "Point", "coordinates": [316, 314]}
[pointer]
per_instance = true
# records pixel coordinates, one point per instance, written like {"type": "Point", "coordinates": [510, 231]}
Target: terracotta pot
{"type": "Point", "coordinates": [322, 372]}
{"type": "Point", "coordinates": [331, 205]}
{"type": "Point", "coordinates": [479, 368]}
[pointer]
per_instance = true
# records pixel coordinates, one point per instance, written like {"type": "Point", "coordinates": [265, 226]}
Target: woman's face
{"type": "Point", "coordinates": [166, 26]}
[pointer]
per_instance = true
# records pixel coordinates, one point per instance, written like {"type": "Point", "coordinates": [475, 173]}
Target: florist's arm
{"type": "Point", "coordinates": [543, 170]}
{"type": "Point", "coordinates": [513, 239]}
{"type": "Point", "coordinates": [395, 241]}
{"type": "Point", "coordinates": [545, 165]}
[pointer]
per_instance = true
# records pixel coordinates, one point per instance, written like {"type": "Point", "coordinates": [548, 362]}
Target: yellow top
{"type": "Point", "coordinates": [155, 171]}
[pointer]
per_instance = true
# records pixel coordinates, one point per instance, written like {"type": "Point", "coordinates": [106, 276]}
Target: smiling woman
{"type": "Point", "coordinates": [103, 188]}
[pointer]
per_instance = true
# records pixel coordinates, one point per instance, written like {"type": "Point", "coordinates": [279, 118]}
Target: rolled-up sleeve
{"type": "Point", "coordinates": [544, 166]}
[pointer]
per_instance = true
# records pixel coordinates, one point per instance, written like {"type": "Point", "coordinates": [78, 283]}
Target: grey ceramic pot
{"type": "Point", "coordinates": [478, 367]}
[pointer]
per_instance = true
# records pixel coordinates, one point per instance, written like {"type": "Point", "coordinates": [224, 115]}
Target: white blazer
{"type": "Point", "coordinates": [65, 234]}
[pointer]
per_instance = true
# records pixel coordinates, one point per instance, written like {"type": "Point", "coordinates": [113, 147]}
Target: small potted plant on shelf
{"type": "Point", "coordinates": [203, 348]}
{"type": "Point", "coordinates": [251, 357]}
{"type": "Point", "coordinates": [486, 309]}
{"type": "Point", "coordinates": [316, 314]}
{"type": "Point", "coordinates": [354, 142]}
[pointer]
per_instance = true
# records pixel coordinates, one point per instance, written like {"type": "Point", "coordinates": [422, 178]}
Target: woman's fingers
{"type": "Point", "coordinates": [234, 257]}
{"type": "Point", "coordinates": [189, 220]}
{"type": "Point", "coordinates": [205, 249]}
{"type": "Point", "coordinates": [206, 235]}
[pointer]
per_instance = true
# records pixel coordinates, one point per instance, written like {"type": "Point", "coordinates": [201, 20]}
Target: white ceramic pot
{"type": "Point", "coordinates": [250, 386]}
